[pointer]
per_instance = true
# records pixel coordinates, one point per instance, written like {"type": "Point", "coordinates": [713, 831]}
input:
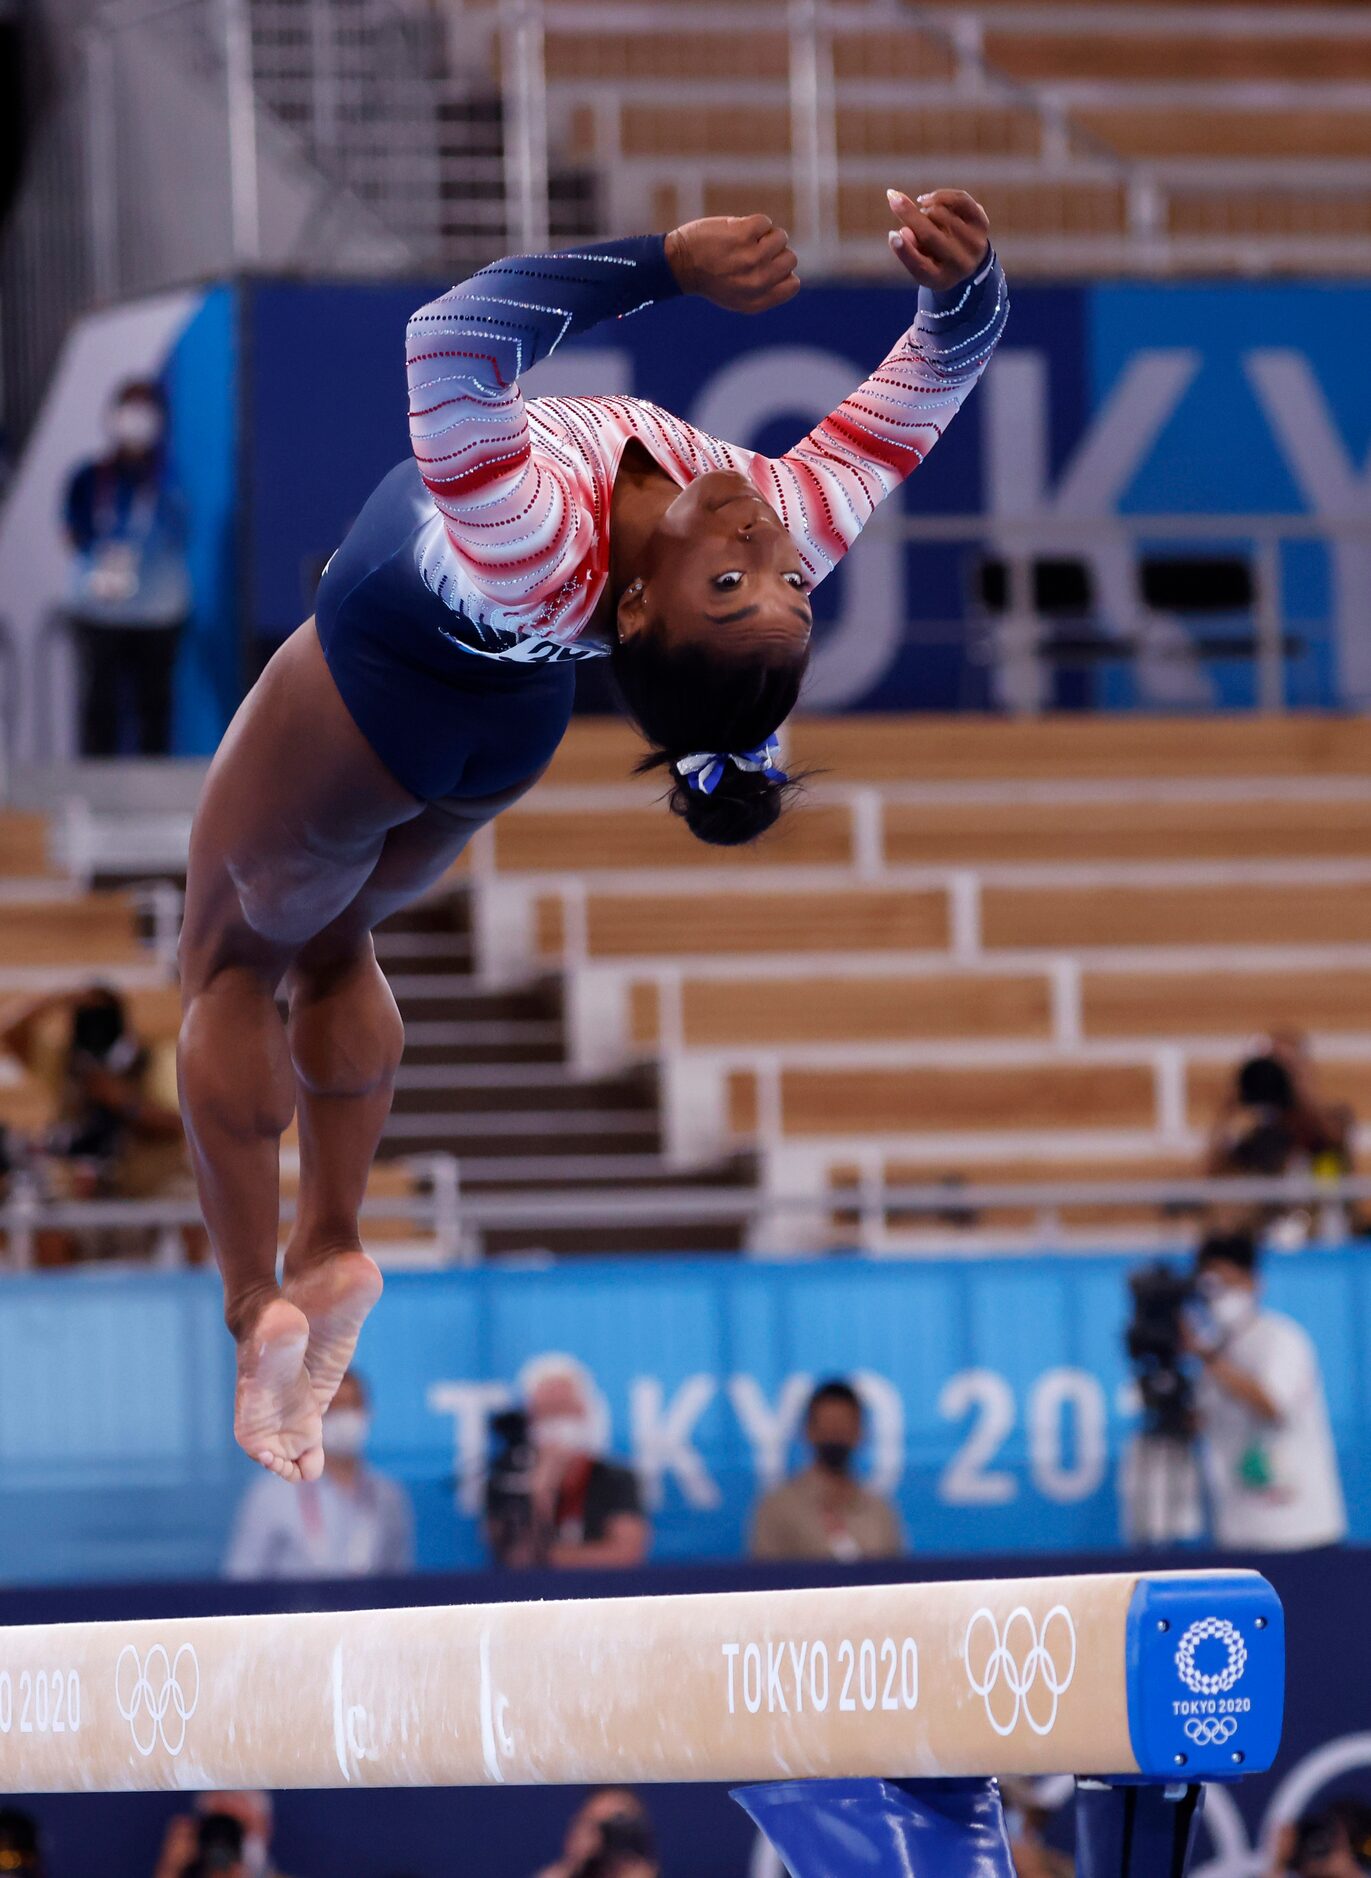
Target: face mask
{"type": "Point", "coordinates": [255, 1847]}
{"type": "Point", "coordinates": [835, 1457]}
{"type": "Point", "coordinates": [569, 1434]}
{"type": "Point", "coordinates": [345, 1432]}
{"type": "Point", "coordinates": [136, 426]}
{"type": "Point", "coordinates": [1230, 1309]}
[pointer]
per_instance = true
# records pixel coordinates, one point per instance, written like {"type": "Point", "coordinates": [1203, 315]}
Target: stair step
{"type": "Point", "coordinates": [516, 1088]}
{"type": "Point", "coordinates": [488, 1134]}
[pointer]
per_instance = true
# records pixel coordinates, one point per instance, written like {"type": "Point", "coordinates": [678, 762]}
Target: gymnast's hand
{"type": "Point", "coordinates": [742, 262]}
{"type": "Point", "coordinates": [943, 237]}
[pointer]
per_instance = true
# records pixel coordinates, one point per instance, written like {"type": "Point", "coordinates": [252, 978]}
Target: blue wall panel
{"type": "Point", "coordinates": [997, 1396]}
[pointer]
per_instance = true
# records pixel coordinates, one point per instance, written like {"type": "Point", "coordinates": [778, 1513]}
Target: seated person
{"type": "Point", "coordinates": [822, 1512]}
{"type": "Point", "coordinates": [557, 1501]}
{"type": "Point", "coordinates": [350, 1523]}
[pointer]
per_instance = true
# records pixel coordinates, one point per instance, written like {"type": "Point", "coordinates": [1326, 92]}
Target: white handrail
{"type": "Point", "coordinates": [458, 1223]}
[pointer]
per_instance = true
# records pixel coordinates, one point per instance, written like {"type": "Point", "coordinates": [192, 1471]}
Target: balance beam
{"type": "Point", "coordinates": [1163, 1677]}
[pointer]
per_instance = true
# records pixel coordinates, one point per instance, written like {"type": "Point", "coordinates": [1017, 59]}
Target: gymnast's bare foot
{"type": "Point", "coordinates": [335, 1291]}
{"type": "Point", "coordinates": [276, 1418]}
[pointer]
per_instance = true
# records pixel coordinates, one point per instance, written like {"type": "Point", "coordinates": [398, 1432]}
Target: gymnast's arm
{"type": "Point", "coordinates": [509, 515]}
{"type": "Point", "coordinates": [878, 436]}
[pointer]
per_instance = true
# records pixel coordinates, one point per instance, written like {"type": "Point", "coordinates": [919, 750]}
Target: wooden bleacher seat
{"type": "Point", "coordinates": [1175, 132]}
{"type": "Point", "coordinates": [941, 1007]}
{"type": "Point", "coordinates": [1039, 1172]}
{"type": "Point", "coordinates": [1225, 1003]}
{"type": "Point", "coordinates": [972, 749]}
{"type": "Point", "coordinates": [1067, 919]}
{"type": "Point", "coordinates": [961, 834]}
{"type": "Point", "coordinates": [675, 925]}
{"type": "Point", "coordinates": [676, 54]}
{"type": "Point", "coordinates": [1107, 745]}
{"type": "Point", "coordinates": [956, 129]}
{"type": "Point", "coordinates": [529, 840]}
{"type": "Point", "coordinates": [1303, 213]}
{"type": "Point", "coordinates": [24, 845]}
{"type": "Point", "coordinates": [1009, 1098]}
{"type": "Point", "coordinates": [98, 930]}
{"type": "Point", "coordinates": [1138, 57]}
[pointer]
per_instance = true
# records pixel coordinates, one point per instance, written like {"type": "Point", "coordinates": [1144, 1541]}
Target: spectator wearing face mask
{"type": "Point", "coordinates": [350, 1523]}
{"type": "Point", "coordinates": [228, 1834]}
{"type": "Point", "coordinates": [583, 1511]}
{"type": "Point", "coordinates": [822, 1512]}
{"type": "Point", "coordinates": [1267, 1445]}
{"type": "Point", "coordinates": [130, 591]}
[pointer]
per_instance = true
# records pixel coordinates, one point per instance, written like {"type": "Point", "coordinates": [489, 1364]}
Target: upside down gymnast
{"type": "Point", "coordinates": [434, 682]}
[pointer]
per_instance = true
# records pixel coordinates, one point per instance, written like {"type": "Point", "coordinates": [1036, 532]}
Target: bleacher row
{"type": "Point", "coordinates": [1005, 952]}
{"type": "Point", "coordinates": [1199, 128]}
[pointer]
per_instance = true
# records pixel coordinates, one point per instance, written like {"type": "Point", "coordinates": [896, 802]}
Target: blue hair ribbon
{"type": "Point", "coordinates": [705, 770]}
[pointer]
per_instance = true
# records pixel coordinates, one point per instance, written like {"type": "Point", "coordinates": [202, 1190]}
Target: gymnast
{"type": "Point", "coordinates": [435, 680]}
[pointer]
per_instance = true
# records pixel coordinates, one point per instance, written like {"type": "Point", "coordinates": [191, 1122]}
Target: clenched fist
{"type": "Point", "coordinates": [943, 237]}
{"type": "Point", "coordinates": [742, 262]}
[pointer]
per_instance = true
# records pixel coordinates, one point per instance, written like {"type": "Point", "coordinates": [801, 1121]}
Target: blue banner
{"type": "Point", "coordinates": [998, 1398]}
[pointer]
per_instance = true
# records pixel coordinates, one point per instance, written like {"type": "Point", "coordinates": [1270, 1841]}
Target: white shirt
{"type": "Point", "coordinates": [318, 1529]}
{"type": "Point", "coordinates": [1274, 1486]}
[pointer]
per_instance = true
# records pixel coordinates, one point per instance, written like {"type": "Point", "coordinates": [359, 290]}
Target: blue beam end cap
{"type": "Point", "coordinates": [1206, 1675]}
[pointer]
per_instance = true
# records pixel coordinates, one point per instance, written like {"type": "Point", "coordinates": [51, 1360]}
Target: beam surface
{"type": "Point", "coordinates": [1114, 1674]}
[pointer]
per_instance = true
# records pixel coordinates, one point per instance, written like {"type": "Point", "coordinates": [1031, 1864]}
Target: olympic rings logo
{"type": "Point", "coordinates": [156, 1698]}
{"type": "Point", "coordinates": [1208, 1731]}
{"type": "Point", "coordinates": [1222, 1680]}
{"type": "Point", "coordinates": [1035, 1667]}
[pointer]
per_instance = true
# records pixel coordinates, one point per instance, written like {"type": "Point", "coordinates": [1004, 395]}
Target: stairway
{"type": "Point", "coordinates": [485, 1077]}
{"type": "Point", "coordinates": [368, 87]}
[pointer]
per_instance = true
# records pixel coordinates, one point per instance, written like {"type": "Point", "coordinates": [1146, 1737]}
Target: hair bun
{"type": "Point", "coordinates": [743, 806]}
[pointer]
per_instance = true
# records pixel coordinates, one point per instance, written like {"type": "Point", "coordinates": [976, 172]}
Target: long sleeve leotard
{"type": "Point", "coordinates": [518, 545]}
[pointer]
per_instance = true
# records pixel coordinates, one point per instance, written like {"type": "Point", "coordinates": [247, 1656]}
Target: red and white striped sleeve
{"type": "Point", "coordinates": [827, 487]}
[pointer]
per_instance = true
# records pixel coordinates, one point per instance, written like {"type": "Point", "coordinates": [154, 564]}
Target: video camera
{"type": "Point", "coordinates": [509, 1483]}
{"type": "Point", "coordinates": [1155, 1343]}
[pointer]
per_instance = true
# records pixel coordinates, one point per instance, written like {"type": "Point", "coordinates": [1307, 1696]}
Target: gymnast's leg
{"type": "Point", "coordinates": [345, 1039]}
{"type": "Point", "coordinates": [292, 823]}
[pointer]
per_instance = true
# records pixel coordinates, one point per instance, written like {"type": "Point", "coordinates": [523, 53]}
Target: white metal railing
{"type": "Point", "coordinates": [839, 1217]}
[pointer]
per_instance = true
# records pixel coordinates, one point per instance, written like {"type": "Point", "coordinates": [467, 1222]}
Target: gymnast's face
{"type": "Point", "coordinates": [721, 562]}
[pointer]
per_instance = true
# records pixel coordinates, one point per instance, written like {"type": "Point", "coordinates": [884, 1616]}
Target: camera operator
{"type": "Point", "coordinates": [551, 1499]}
{"type": "Point", "coordinates": [1259, 1402]}
{"type": "Point", "coordinates": [1332, 1842]}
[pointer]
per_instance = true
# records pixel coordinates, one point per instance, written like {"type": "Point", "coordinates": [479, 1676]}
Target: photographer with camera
{"type": "Point", "coordinates": [1274, 1122]}
{"type": "Point", "coordinates": [608, 1836]}
{"type": "Point", "coordinates": [1270, 1462]}
{"type": "Point", "coordinates": [227, 1836]}
{"type": "Point", "coordinates": [551, 1498]}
